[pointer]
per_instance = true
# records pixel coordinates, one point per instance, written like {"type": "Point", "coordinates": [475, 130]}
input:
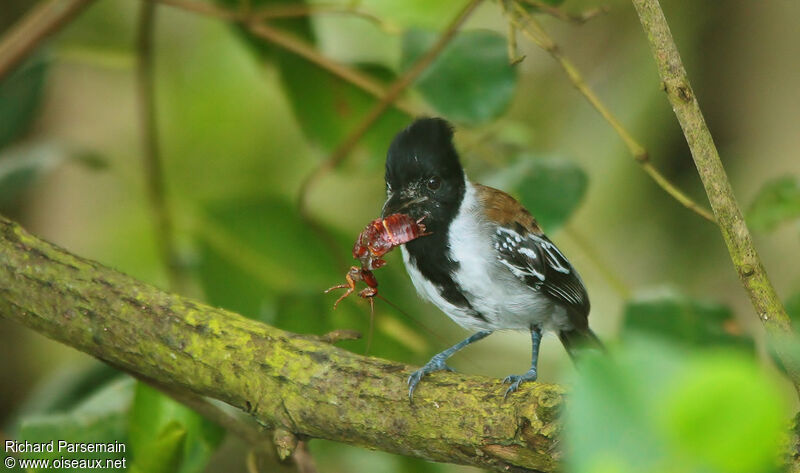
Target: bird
{"type": "Point", "coordinates": [485, 262]}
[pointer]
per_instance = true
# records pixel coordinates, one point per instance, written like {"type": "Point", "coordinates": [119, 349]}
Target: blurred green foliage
{"type": "Point", "coordinates": [681, 320]}
{"type": "Point", "coordinates": [101, 417]}
{"type": "Point", "coordinates": [777, 202]}
{"type": "Point", "coordinates": [552, 190]}
{"type": "Point", "coordinates": [657, 408]}
{"type": "Point", "coordinates": [243, 121]}
{"type": "Point", "coordinates": [168, 437]}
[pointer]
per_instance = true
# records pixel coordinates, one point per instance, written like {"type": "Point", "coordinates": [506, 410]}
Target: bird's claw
{"type": "Point", "coordinates": [416, 376]}
{"type": "Point", "coordinates": [515, 380]}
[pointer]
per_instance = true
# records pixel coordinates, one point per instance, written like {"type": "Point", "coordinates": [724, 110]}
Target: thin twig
{"type": "Point", "coordinates": [302, 49]}
{"type": "Point", "coordinates": [153, 167]}
{"type": "Point", "coordinates": [37, 25]}
{"type": "Point", "coordinates": [734, 230]}
{"type": "Point", "coordinates": [291, 44]}
{"type": "Point", "coordinates": [531, 28]}
{"type": "Point", "coordinates": [556, 12]}
{"type": "Point", "coordinates": [394, 91]}
{"type": "Point", "coordinates": [204, 8]}
{"type": "Point", "coordinates": [274, 12]}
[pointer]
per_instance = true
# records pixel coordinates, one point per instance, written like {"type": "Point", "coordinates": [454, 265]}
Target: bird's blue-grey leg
{"type": "Point", "coordinates": [437, 363]}
{"type": "Point", "coordinates": [515, 379]}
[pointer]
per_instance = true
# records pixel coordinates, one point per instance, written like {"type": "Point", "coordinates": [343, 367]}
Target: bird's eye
{"type": "Point", "coordinates": [434, 183]}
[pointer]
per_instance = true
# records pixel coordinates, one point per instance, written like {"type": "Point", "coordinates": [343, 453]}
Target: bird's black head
{"type": "Point", "coordinates": [424, 177]}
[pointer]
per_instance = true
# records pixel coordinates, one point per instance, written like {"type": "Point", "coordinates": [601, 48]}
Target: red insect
{"type": "Point", "coordinates": [377, 239]}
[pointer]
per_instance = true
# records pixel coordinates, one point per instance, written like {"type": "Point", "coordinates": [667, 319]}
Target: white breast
{"type": "Point", "coordinates": [491, 288]}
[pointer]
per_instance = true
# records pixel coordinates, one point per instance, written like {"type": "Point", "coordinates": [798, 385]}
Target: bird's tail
{"type": "Point", "coordinates": [580, 340]}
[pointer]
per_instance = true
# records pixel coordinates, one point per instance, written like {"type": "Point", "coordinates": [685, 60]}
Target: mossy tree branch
{"type": "Point", "coordinates": [737, 237]}
{"type": "Point", "coordinates": [287, 382]}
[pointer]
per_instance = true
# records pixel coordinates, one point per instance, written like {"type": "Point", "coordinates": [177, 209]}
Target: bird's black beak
{"type": "Point", "coordinates": [403, 203]}
{"type": "Point", "coordinates": [394, 204]}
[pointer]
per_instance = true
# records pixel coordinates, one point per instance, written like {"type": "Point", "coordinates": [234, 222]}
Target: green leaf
{"type": "Point", "coordinates": [100, 418]}
{"type": "Point", "coordinates": [682, 320]}
{"type": "Point", "coordinates": [327, 107]}
{"type": "Point", "coordinates": [721, 411]}
{"type": "Point", "coordinates": [20, 97]}
{"type": "Point", "coordinates": [778, 201]}
{"type": "Point", "coordinates": [166, 436]}
{"type": "Point", "coordinates": [164, 453]}
{"type": "Point", "coordinates": [471, 81]}
{"type": "Point", "coordinates": [660, 408]}
{"type": "Point", "coordinates": [551, 190]}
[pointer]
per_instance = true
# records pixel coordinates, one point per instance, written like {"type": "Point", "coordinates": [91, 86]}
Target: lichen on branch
{"type": "Point", "coordinates": [299, 384]}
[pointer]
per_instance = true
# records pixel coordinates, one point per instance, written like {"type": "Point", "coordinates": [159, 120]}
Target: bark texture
{"type": "Point", "coordinates": [286, 381]}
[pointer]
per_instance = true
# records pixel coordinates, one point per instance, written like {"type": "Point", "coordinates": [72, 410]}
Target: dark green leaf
{"type": "Point", "coordinates": [471, 81]}
{"type": "Point", "coordinates": [20, 97]}
{"type": "Point", "coordinates": [101, 418]}
{"type": "Point", "coordinates": [168, 436]}
{"type": "Point", "coordinates": [777, 202]}
{"type": "Point", "coordinates": [682, 320]}
{"type": "Point", "coordinates": [327, 107]}
{"type": "Point", "coordinates": [660, 408]}
{"type": "Point", "coordinates": [164, 453]}
{"type": "Point", "coordinates": [550, 189]}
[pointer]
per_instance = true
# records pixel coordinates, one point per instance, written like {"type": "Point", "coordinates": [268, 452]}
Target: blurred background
{"type": "Point", "coordinates": [242, 122]}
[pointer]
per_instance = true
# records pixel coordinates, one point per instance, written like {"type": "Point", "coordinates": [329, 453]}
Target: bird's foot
{"type": "Point", "coordinates": [516, 380]}
{"type": "Point", "coordinates": [436, 364]}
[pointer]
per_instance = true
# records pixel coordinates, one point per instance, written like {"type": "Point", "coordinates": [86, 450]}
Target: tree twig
{"type": "Point", "coordinates": [285, 381]}
{"type": "Point", "coordinates": [153, 166]}
{"type": "Point", "coordinates": [531, 28]}
{"type": "Point", "coordinates": [41, 22]}
{"type": "Point", "coordinates": [291, 44]}
{"type": "Point", "coordinates": [556, 12]}
{"type": "Point", "coordinates": [273, 12]}
{"type": "Point", "coordinates": [394, 91]}
{"type": "Point", "coordinates": [737, 237]}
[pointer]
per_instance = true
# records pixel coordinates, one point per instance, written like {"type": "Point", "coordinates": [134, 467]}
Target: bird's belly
{"type": "Point", "coordinates": [506, 302]}
{"type": "Point", "coordinates": [502, 300]}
